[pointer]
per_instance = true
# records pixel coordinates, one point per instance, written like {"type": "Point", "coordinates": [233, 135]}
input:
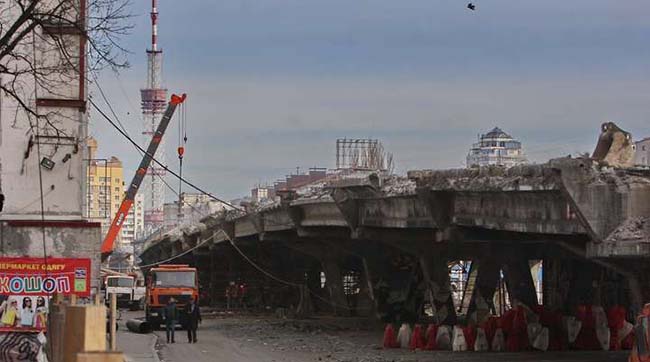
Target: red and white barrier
{"type": "Point", "coordinates": [404, 336]}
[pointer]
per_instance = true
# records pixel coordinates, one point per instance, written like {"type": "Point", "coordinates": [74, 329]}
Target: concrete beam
{"type": "Point", "coordinates": [603, 201]}
{"type": "Point", "coordinates": [441, 205]}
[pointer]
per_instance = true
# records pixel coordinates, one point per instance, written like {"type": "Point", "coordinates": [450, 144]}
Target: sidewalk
{"type": "Point", "coordinates": [137, 347]}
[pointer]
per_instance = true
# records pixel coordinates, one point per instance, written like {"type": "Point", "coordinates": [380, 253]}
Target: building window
{"type": "Point", "coordinates": [117, 180]}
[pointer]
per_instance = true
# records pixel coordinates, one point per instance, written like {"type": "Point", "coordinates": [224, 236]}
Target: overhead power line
{"type": "Point", "coordinates": [188, 183]}
{"type": "Point", "coordinates": [122, 130]}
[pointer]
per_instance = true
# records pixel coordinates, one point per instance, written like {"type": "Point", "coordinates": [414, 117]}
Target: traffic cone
{"type": "Point", "coordinates": [432, 332]}
{"type": "Point", "coordinates": [499, 341]}
{"type": "Point", "coordinates": [481, 343]}
{"type": "Point", "coordinates": [458, 343]}
{"type": "Point", "coordinates": [417, 342]}
{"type": "Point", "coordinates": [389, 337]}
{"type": "Point", "coordinates": [443, 338]}
{"type": "Point", "coordinates": [404, 336]}
{"type": "Point", "coordinates": [470, 337]}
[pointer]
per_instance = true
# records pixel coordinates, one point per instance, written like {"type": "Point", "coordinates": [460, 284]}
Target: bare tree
{"type": "Point", "coordinates": [46, 44]}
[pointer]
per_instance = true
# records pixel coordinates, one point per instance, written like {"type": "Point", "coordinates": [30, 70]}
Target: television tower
{"type": "Point", "coordinates": [154, 101]}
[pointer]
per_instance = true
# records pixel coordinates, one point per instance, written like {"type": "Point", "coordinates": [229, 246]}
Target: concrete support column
{"type": "Point", "coordinates": [519, 280]}
{"type": "Point", "coordinates": [482, 302]}
{"type": "Point", "coordinates": [438, 290]}
{"type": "Point", "coordinates": [581, 281]}
{"type": "Point", "coordinates": [366, 302]}
{"type": "Point", "coordinates": [638, 284]}
{"type": "Point", "coordinates": [556, 282]}
{"type": "Point", "coordinates": [213, 278]}
{"type": "Point", "coordinates": [334, 285]}
{"type": "Point", "coordinates": [314, 285]}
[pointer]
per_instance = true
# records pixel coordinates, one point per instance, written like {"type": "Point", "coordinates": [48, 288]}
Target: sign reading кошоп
{"type": "Point", "coordinates": [33, 276]}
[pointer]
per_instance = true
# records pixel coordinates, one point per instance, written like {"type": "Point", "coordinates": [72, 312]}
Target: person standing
{"type": "Point", "coordinates": [170, 319]}
{"type": "Point", "coordinates": [10, 314]}
{"type": "Point", "coordinates": [27, 313]}
{"type": "Point", "coordinates": [193, 313]}
{"type": "Point", "coordinates": [40, 319]}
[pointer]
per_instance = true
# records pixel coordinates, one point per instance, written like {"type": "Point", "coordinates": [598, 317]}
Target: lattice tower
{"type": "Point", "coordinates": [154, 102]}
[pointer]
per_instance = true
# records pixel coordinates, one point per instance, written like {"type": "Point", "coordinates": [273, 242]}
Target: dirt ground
{"type": "Point", "coordinates": [333, 340]}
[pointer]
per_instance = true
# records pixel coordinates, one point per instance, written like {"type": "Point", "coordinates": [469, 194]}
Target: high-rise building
{"type": "Point", "coordinates": [642, 153]}
{"type": "Point", "coordinates": [133, 227]}
{"type": "Point", "coordinates": [496, 148]}
{"type": "Point", "coordinates": [104, 186]}
{"type": "Point", "coordinates": [154, 101]}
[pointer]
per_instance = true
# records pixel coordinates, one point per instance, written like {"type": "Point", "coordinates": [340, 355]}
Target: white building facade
{"type": "Point", "coordinates": [642, 153]}
{"type": "Point", "coordinates": [42, 158]}
{"type": "Point", "coordinates": [496, 148]}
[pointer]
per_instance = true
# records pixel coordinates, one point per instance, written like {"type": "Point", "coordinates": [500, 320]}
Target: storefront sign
{"type": "Point", "coordinates": [26, 285]}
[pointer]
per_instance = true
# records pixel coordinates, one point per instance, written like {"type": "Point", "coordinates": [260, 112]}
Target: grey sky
{"type": "Point", "coordinates": [273, 83]}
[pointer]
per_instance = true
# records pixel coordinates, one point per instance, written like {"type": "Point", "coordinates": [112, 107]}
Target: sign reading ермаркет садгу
{"type": "Point", "coordinates": [39, 276]}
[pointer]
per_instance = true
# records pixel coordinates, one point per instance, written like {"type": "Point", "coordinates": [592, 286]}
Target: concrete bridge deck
{"type": "Point", "coordinates": [396, 236]}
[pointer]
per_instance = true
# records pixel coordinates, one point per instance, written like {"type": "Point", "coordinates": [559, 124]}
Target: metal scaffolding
{"type": "Point", "coordinates": [364, 154]}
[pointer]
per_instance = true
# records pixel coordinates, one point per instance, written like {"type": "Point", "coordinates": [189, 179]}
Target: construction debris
{"type": "Point", "coordinates": [615, 147]}
{"type": "Point", "coordinates": [634, 229]}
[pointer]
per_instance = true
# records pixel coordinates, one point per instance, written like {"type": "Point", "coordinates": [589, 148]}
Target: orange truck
{"type": "Point", "coordinates": [178, 281]}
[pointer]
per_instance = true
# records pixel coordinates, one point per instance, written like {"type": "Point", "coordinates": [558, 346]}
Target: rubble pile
{"type": "Point", "coordinates": [492, 178]}
{"type": "Point", "coordinates": [321, 341]}
{"type": "Point", "coordinates": [314, 191]}
{"type": "Point", "coordinates": [633, 229]}
{"type": "Point", "coordinates": [398, 185]}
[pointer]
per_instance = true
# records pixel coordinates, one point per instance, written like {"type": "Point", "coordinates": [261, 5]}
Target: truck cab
{"type": "Point", "coordinates": [169, 281]}
{"type": "Point", "coordinates": [122, 286]}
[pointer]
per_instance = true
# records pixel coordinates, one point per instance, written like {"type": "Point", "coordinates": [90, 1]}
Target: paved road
{"type": "Point", "coordinates": [137, 347]}
{"type": "Point", "coordinates": [212, 346]}
{"type": "Point", "coordinates": [224, 341]}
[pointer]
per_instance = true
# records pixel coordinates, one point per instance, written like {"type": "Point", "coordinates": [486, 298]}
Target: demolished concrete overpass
{"type": "Point", "coordinates": [589, 224]}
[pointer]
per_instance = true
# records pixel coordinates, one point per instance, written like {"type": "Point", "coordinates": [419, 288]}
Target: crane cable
{"type": "Point", "coordinates": [182, 140]}
{"type": "Point", "coordinates": [124, 133]}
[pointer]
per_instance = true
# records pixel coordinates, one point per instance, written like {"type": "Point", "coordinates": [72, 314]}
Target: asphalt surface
{"type": "Point", "coordinates": [271, 340]}
{"type": "Point", "coordinates": [212, 346]}
{"type": "Point", "coordinates": [137, 347]}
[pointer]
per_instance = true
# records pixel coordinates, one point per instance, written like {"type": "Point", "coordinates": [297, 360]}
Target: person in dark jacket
{"type": "Point", "coordinates": [193, 314]}
{"type": "Point", "coordinates": [171, 317]}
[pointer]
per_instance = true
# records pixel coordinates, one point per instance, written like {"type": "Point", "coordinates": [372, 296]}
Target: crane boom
{"type": "Point", "coordinates": [127, 202]}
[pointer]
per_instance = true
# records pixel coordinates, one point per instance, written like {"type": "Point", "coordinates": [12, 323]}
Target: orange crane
{"type": "Point", "coordinates": [140, 173]}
